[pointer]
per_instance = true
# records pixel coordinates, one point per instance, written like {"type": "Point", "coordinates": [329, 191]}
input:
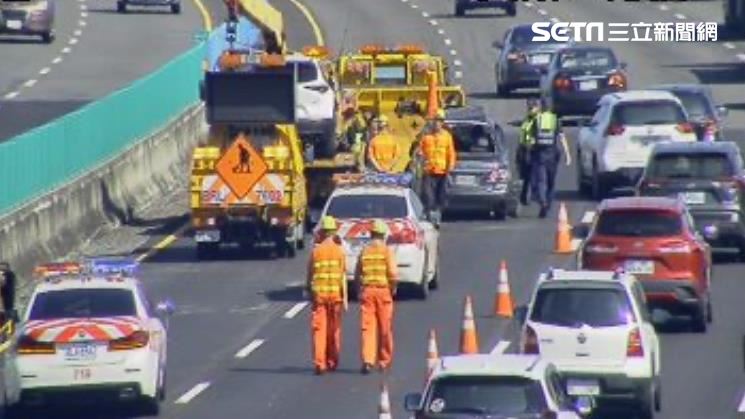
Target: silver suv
{"type": "Point", "coordinates": [175, 5]}
{"type": "Point", "coordinates": [28, 17]}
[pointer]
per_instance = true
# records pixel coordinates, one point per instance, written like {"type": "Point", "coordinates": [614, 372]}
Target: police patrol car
{"type": "Point", "coordinates": [358, 200]}
{"type": "Point", "coordinates": [495, 385]}
{"type": "Point", "coordinates": [88, 329]}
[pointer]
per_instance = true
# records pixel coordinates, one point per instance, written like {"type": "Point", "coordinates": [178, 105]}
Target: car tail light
{"type": "Point", "coordinates": [530, 342]}
{"type": "Point", "coordinates": [497, 175]}
{"type": "Point", "coordinates": [517, 57]}
{"type": "Point", "coordinates": [675, 247]}
{"type": "Point", "coordinates": [405, 236]}
{"type": "Point", "coordinates": [136, 340]}
{"type": "Point", "coordinates": [318, 88]}
{"type": "Point", "coordinates": [634, 347]}
{"type": "Point", "coordinates": [615, 129]}
{"type": "Point", "coordinates": [617, 80]}
{"type": "Point", "coordinates": [600, 248]}
{"type": "Point", "coordinates": [30, 346]}
{"type": "Point", "coordinates": [685, 128]}
{"type": "Point", "coordinates": [710, 130]}
{"type": "Point", "coordinates": [563, 83]}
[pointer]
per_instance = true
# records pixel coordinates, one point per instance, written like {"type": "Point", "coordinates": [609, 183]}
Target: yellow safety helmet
{"type": "Point", "coordinates": [382, 120]}
{"type": "Point", "coordinates": [328, 223]}
{"type": "Point", "coordinates": [440, 115]}
{"type": "Point", "coordinates": [379, 227]}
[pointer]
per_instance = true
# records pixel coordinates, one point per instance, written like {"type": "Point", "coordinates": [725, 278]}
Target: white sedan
{"type": "Point", "coordinates": [87, 333]}
{"type": "Point", "coordinates": [414, 238]}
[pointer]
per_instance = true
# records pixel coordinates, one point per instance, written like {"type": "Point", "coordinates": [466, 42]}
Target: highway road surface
{"type": "Point", "coordinates": [240, 346]}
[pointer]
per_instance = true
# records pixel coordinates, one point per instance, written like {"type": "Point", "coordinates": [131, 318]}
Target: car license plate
{"type": "Point", "coordinates": [576, 387]}
{"type": "Point", "coordinates": [649, 139]}
{"type": "Point", "coordinates": [645, 267]}
{"type": "Point", "coordinates": [80, 352]}
{"type": "Point", "coordinates": [465, 180]}
{"type": "Point", "coordinates": [588, 85]}
{"type": "Point", "coordinates": [694, 198]}
{"type": "Point", "coordinates": [15, 24]}
{"type": "Point", "coordinates": [207, 236]}
{"type": "Point", "coordinates": [540, 59]}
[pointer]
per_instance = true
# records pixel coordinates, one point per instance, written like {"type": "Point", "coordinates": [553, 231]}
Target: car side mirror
{"type": "Point", "coordinates": [521, 314]}
{"type": "Point", "coordinates": [165, 308]}
{"type": "Point", "coordinates": [413, 402]}
{"type": "Point", "coordinates": [584, 405]}
{"type": "Point", "coordinates": [581, 231]}
{"type": "Point", "coordinates": [722, 111]}
{"type": "Point", "coordinates": [497, 44]}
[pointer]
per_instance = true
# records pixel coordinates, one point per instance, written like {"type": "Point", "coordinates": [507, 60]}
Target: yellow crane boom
{"type": "Point", "coordinates": [268, 19]}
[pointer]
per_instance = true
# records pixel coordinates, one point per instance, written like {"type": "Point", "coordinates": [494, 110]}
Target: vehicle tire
{"type": "Point", "coordinates": [500, 212]}
{"type": "Point", "coordinates": [121, 7]}
{"type": "Point", "coordinates": [422, 290]}
{"type": "Point", "coordinates": [460, 10]}
{"type": "Point", "coordinates": [176, 8]}
{"type": "Point", "coordinates": [163, 386]}
{"type": "Point", "coordinates": [206, 251]}
{"type": "Point", "coordinates": [598, 190]}
{"type": "Point", "coordinates": [646, 405]}
{"type": "Point", "coordinates": [511, 10]}
{"type": "Point", "coordinates": [503, 90]}
{"type": "Point", "coordinates": [47, 37]}
{"type": "Point", "coordinates": [434, 283]}
{"type": "Point", "coordinates": [514, 210]}
{"type": "Point", "coordinates": [150, 406]}
{"type": "Point", "coordinates": [658, 395]}
{"type": "Point", "coordinates": [300, 241]}
{"type": "Point", "coordinates": [698, 320]}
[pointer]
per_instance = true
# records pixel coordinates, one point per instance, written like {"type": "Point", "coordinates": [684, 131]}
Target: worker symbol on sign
{"type": "Point", "coordinates": [244, 163]}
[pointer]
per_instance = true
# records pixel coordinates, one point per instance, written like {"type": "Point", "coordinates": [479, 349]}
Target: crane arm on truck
{"type": "Point", "coordinates": [268, 19]}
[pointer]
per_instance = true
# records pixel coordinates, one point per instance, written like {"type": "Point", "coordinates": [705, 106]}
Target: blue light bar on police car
{"type": "Point", "coordinates": [113, 266]}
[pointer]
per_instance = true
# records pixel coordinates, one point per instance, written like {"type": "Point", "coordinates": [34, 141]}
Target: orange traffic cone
{"type": "Point", "coordinates": [384, 407]}
{"type": "Point", "coordinates": [503, 300]}
{"type": "Point", "coordinates": [563, 232]}
{"type": "Point", "coordinates": [469, 342]}
{"type": "Point", "coordinates": [433, 100]}
{"type": "Point", "coordinates": [432, 354]}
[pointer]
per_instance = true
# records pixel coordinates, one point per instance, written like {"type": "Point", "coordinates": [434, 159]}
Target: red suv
{"type": "Point", "coordinates": [654, 239]}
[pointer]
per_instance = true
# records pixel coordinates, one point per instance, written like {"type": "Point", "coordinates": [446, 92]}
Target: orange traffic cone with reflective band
{"type": "Point", "coordinates": [503, 300]}
{"type": "Point", "coordinates": [384, 407]}
{"type": "Point", "coordinates": [432, 355]}
{"type": "Point", "coordinates": [563, 232]}
{"type": "Point", "coordinates": [469, 342]}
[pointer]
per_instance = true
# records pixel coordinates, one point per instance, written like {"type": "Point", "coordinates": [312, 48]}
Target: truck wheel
{"type": "Point", "coordinates": [460, 10]}
{"type": "Point", "coordinates": [176, 8]}
{"type": "Point", "coordinates": [47, 37]}
{"type": "Point", "coordinates": [121, 7]}
{"type": "Point", "coordinates": [511, 10]}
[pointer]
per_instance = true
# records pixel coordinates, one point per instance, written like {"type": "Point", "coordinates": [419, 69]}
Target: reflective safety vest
{"type": "Point", "coordinates": [384, 151]}
{"type": "Point", "coordinates": [374, 268]}
{"type": "Point", "coordinates": [328, 269]}
{"type": "Point", "coordinates": [547, 127]}
{"type": "Point", "coordinates": [526, 131]}
{"type": "Point", "coordinates": [439, 152]}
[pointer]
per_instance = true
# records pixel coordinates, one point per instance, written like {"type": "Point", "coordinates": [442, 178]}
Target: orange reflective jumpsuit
{"type": "Point", "coordinates": [383, 152]}
{"type": "Point", "coordinates": [439, 155]}
{"type": "Point", "coordinates": [377, 274]}
{"type": "Point", "coordinates": [327, 277]}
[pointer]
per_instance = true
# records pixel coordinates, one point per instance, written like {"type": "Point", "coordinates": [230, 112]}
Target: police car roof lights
{"type": "Point", "coordinates": [57, 269]}
{"type": "Point", "coordinates": [113, 266]}
{"type": "Point", "coordinates": [355, 179]}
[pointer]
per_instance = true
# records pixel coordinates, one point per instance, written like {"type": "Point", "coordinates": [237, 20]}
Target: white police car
{"type": "Point", "coordinates": [596, 328]}
{"type": "Point", "coordinates": [359, 200]}
{"type": "Point", "coordinates": [90, 330]}
{"type": "Point", "coordinates": [495, 385]}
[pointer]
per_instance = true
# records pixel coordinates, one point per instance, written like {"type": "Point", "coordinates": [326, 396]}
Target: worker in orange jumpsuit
{"type": "Point", "coordinates": [377, 275]}
{"type": "Point", "coordinates": [327, 284]}
{"type": "Point", "coordinates": [384, 152]}
{"type": "Point", "coordinates": [438, 151]}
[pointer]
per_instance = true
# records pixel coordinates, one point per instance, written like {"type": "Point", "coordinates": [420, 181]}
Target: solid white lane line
{"type": "Point", "coordinates": [447, 41]}
{"type": "Point", "coordinates": [587, 217]}
{"type": "Point", "coordinates": [10, 95]}
{"type": "Point", "coordinates": [741, 407]}
{"type": "Point", "coordinates": [433, 22]}
{"type": "Point", "coordinates": [194, 392]}
{"type": "Point", "coordinates": [729, 45]}
{"type": "Point", "coordinates": [457, 63]}
{"type": "Point", "coordinates": [680, 16]}
{"type": "Point", "coordinates": [66, 50]}
{"type": "Point", "coordinates": [542, 12]}
{"type": "Point", "coordinates": [458, 74]}
{"type": "Point", "coordinates": [500, 347]}
{"type": "Point", "coordinates": [575, 244]}
{"type": "Point", "coordinates": [294, 310]}
{"type": "Point", "coordinates": [45, 70]}
{"type": "Point", "coordinates": [453, 52]}
{"type": "Point", "coordinates": [57, 60]}
{"type": "Point", "coordinates": [246, 350]}
{"type": "Point", "coordinates": [29, 83]}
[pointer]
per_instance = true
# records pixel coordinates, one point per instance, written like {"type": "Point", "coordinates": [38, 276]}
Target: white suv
{"type": "Point", "coordinates": [596, 328]}
{"type": "Point", "coordinates": [494, 385]}
{"type": "Point", "coordinates": [316, 106]}
{"type": "Point", "coordinates": [614, 146]}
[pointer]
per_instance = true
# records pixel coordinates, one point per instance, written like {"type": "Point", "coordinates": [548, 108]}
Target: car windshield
{"type": "Point", "coordinates": [474, 138]}
{"type": "Point", "coordinates": [485, 396]}
{"type": "Point", "coordinates": [660, 112]}
{"type": "Point", "coordinates": [390, 74]}
{"type": "Point", "coordinates": [368, 206]}
{"type": "Point", "coordinates": [639, 223]}
{"type": "Point", "coordinates": [80, 303]}
{"type": "Point", "coordinates": [587, 59]}
{"type": "Point", "coordinates": [574, 307]}
{"type": "Point", "coordinates": [690, 165]}
{"type": "Point", "coordinates": [522, 36]}
{"type": "Point", "coordinates": [696, 104]}
{"type": "Point", "coordinates": [306, 72]}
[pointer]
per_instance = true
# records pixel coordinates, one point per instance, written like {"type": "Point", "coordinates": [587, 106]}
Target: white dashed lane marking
{"type": "Point", "coordinates": [458, 74]}
{"type": "Point", "coordinates": [30, 83]}
{"type": "Point", "coordinates": [447, 41]}
{"type": "Point", "coordinates": [84, 14]}
{"type": "Point", "coordinates": [66, 50]}
{"type": "Point", "coordinates": [414, 6]}
{"type": "Point", "coordinates": [57, 60]}
{"type": "Point", "coordinates": [664, 7]}
{"type": "Point", "coordinates": [680, 16]}
{"type": "Point", "coordinates": [453, 52]}
{"type": "Point", "coordinates": [542, 12]}
{"type": "Point", "coordinates": [441, 31]}
{"type": "Point", "coordinates": [554, 20]}
{"type": "Point", "coordinates": [457, 63]}
{"type": "Point", "coordinates": [81, 23]}
{"type": "Point", "coordinates": [194, 392]}
{"type": "Point", "coordinates": [246, 350]}
{"type": "Point", "coordinates": [433, 22]}
{"type": "Point", "coordinates": [297, 308]}
{"type": "Point", "coordinates": [78, 32]}
{"type": "Point", "coordinates": [73, 41]}
{"type": "Point", "coordinates": [729, 45]}
{"type": "Point", "coordinates": [425, 14]}
{"type": "Point", "coordinates": [10, 95]}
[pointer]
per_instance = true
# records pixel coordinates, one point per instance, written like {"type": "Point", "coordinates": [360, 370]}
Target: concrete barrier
{"type": "Point", "coordinates": [53, 225]}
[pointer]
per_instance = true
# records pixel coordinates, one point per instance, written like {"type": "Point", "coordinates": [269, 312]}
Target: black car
{"type": "Point", "coordinates": [482, 178]}
{"type": "Point", "coordinates": [579, 76]}
{"type": "Point", "coordinates": [509, 6]}
{"type": "Point", "coordinates": [707, 118]}
{"type": "Point", "coordinates": [521, 59]}
{"type": "Point", "coordinates": [711, 179]}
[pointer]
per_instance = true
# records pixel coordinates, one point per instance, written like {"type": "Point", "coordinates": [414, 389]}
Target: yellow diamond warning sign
{"type": "Point", "coordinates": [241, 167]}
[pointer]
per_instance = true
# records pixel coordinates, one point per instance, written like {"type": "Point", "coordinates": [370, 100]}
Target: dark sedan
{"type": "Point", "coordinates": [27, 17]}
{"type": "Point", "coordinates": [482, 179]}
{"type": "Point", "coordinates": [579, 76]}
{"type": "Point", "coordinates": [521, 59]}
{"type": "Point", "coordinates": [509, 6]}
{"type": "Point", "coordinates": [706, 117]}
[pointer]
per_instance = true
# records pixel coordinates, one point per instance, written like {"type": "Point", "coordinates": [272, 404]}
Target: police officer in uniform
{"type": "Point", "coordinates": [524, 146]}
{"type": "Point", "coordinates": [545, 156]}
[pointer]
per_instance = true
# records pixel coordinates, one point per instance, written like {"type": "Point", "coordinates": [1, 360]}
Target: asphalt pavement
{"type": "Point", "coordinates": [239, 344]}
{"type": "Point", "coordinates": [97, 51]}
